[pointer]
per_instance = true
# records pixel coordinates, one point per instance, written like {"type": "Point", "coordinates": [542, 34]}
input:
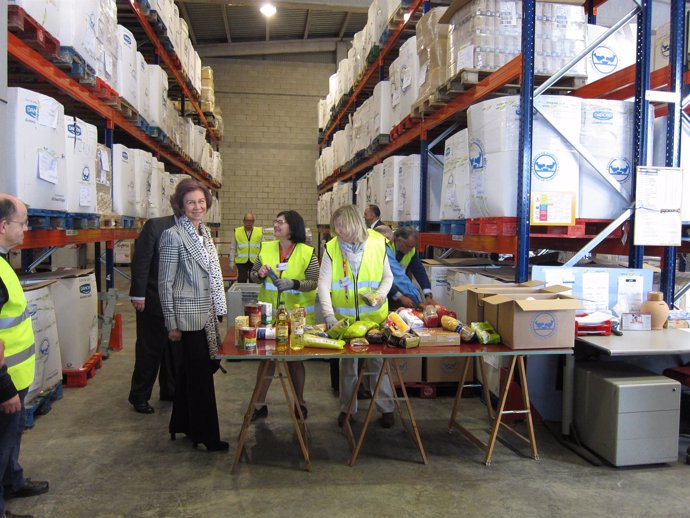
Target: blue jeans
{"type": "Point", "coordinates": [11, 428]}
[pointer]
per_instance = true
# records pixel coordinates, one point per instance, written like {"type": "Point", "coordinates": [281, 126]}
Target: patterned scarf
{"type": "Point", "coordinates": [209, 257]}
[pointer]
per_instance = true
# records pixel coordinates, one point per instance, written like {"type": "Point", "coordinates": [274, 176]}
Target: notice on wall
{"type": "Point", "coordinates": [658, 198]}
{"type": "Point", "coordinates": [552, 208]}
{"type": "Point", "coordinates": [595, 291]}
{"type": "Point", "coordinates": [630, 291]}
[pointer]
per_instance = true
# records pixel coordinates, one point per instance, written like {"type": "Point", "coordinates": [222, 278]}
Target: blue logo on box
{"type": "Point", "coordinates": [604, 60]}
{"type": "Point", "coordinates": [125, 156]}
{"type": "Point", "coordinates": [603, 115]}
{"type": "Point", "coordinates": [619, 168]}
{"type": "Point", "coordinates": [85, 289]}
{"type": "Point", "coordinates": [477, 160]}
{"type": "Point", "coordinates": [33, 309]}
{"type": "Point", "coordinates": [44, 348]}
{"type": "Point", "coordinates": [32, 110]}
{"type": "Point", "coordinates": [127, 39]}
{"type": "Point", "coordinates": [545, 166]}
{"type": "Point", "coordinates": [74, 129]}
{"type": "Point", "coordinates": [543, 325]}
{"type": "Point", "coordinates": [85, 174]}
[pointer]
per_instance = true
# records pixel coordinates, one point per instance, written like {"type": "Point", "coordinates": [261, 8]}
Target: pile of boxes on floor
{"type": "Point", "coordinates": [564, 181]}
{"type": "Point", "coordinates": [90, 29]}
{"type": "Point", "coordinates": [63, 307]}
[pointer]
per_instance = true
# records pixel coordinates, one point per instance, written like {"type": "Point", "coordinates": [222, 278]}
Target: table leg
{"type": "Point", "coordinates": [398, 408]}
{"type": "Point", "coordinates": [485, 388]}
{"type": "Point", "coordinates": [292, 401]}
{"type": "Point", "coordinates": [525, 399]}
{"type": "Point", "coordinates": [458, 395]}
{"type": "Point", "coordinates": [244, 431]}
{"type": "Point", "coordinates": [347, 429]}
{"type": "Point", "coordinates": [370, 410]}
{"type": "Point", "coordinates": [413, 421]}
{"type": "Point", "coordinates": [499, 414]}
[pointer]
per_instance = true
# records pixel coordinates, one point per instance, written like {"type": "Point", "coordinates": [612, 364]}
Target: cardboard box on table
{"type": "Point", "coordinates": [438, 272]}
{"type": "Point", "coordinates": [478, 292]}
{"type": "Point", "coordinates": [75, 297]}
{"type": "Point", "coordinates": [48, 370]}
{"type": "Point", "coordinates": [533, 320]}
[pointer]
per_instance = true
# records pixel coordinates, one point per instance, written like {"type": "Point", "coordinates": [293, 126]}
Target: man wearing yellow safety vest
{"type": "Point", "coordinates": [247, 246]}
{"type": "Point", "coordinates": [404, 245]}
{"type": "Point", "coordinates": [17, 371]}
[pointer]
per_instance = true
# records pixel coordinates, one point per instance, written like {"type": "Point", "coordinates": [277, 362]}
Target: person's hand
{"type": "Point", "coordinates": [284, 284]}
{"type": "Point", "coordinates": [175, 335]}
{"type": "Point", "coordinates": [263, 271]}
{"type": "Point", "coordinates": [407, 302]}
{"type": "Point", "coordinates": [331, 321]}
{"type": "Point", "coordinates": [11, 406]}
{"type": "Point", "coordinates": [139, 305]}
{"type": "Point", "coordinates": [428, 299]}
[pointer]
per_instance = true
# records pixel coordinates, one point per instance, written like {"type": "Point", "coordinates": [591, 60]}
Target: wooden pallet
{"type": "Point", "coordinates": [376, 144]}
{"type": "Point", "coordinates": [403, 126]}
{"type": "Point", "coordinates": [82, 221]}
{"type": "Point", "coordinates": [31, 32]}
{"type": "Point", "coordinates": [106, 93]}
{"type": "Point", "coordinates": [40, 219]}
{"type": "Point", "coordinates": [116, 221]}
{"type": "Point", "coordinates": [42, 404]}
{"type": "Point", "coordinates": [128, 111]}
{"type": "Point", "coordinates": [583, 228]}
{"type": "Point", "coordinates": [78, 377]}
{"type": "Point", "coordinates": [429, 105]}
{"type": "Point", "coordinates": [71, 62]}
{"type": "Point", "coordinates": [491, 227]}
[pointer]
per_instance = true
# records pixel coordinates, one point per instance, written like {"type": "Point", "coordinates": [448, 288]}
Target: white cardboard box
{"type": "Point", "coordinates": [80, 164]}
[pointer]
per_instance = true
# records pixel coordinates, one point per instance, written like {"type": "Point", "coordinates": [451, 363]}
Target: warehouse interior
{"type": "Point", "coordinates": [416, 107]}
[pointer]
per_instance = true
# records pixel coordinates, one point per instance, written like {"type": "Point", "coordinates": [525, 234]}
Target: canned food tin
{"type": "Point", "coordinates": [253, 311]}
{"type": "Point", "coordinates": [248, 338]}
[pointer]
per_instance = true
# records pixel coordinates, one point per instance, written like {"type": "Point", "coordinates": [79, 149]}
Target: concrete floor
{"type": "Point", "coordinates": [104, 460]}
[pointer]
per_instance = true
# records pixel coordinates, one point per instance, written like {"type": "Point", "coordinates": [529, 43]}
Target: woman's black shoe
{"type": "Point", "coordinates": [260, 413]}
{"type": "Point", "coordinates": [304, 411]}
{"type": "Point", "coordinates": [214, 445]}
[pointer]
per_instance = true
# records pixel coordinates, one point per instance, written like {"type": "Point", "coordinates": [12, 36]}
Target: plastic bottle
{"type": "Point", "coordinates": [282, 328]}
{"type": "Point", "coordinates": [298, 323]}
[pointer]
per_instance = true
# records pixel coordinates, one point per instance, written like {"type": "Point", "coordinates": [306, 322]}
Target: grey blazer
{"type": "Point", "coordinates": [184, 283]}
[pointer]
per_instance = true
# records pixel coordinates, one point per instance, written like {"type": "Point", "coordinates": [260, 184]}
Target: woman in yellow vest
{"type": "Point", "coordinates": [355, 260]}
{"type": "Point", "coordinates": [295, 263]}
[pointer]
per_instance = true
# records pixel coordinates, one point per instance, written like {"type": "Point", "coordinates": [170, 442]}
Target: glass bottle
{"type": "Point", "coordinates": [282, 328]}
{"type": "Point", "coordinates": [298, 323]}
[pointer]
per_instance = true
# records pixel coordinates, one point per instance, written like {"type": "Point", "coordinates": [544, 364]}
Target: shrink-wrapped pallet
{"type": "Point", "coordinates": [80, 165]}
{"type": "Point", "coordinates": [432, 48]}
{"type": "Point", "coordinates": [104, 180]}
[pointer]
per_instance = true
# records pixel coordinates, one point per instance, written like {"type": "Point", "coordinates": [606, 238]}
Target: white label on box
{"type": "Point", "coordinates": [508, 14]}
{"type": "Point", "coordinates": [630, 289]}
{"type": "Point", "coordinates": [47, 166]}
{"type": "Point", "coordinates": [553, 208]}
{"type": "Point", "coordinates": [405, 77]}
{"type": "Point", "coordinates": [84, 196]}
{"type": "Point", "coordinates": [48, 113]}
{"type": "Point", "coordinates": [595, 291]}
{"type": "Point", "coordinates": [466, 57]}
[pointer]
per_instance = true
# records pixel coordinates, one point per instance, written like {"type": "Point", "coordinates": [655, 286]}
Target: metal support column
{"type": "Point", "coordinates": [525, 141]}
{"type": "Point", "coordinates": [109, 265]}
{"type": "Point", "coordinates": [182, 108]}
{"type": "Point", "coordinates": [110, 138]}
{"type": "Point", "coordinates": [591, 12]}
{"type": "Point", "coordinates": [673, 130]}
{"type": "Point", "coordinates": [426, 7]}
{"type": "Point", "coordinates": [423, 175]}
{"type": "Point", "coordinates": [642, 121]}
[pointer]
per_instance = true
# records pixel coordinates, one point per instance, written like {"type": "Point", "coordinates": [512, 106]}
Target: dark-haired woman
{"type": "Point", "coordinates": [193, 300]}
{"type": "Point", "coordinates": [295, 264]}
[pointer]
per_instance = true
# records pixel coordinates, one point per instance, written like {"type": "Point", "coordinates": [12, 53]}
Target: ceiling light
{"type": "Point", "coordinates": [268, 10]}
{"type": "Point", "coordinates": [406, 17]}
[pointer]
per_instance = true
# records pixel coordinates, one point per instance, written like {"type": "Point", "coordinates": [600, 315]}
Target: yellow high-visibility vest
{"type": "Point", "coordinates": [247, 249]}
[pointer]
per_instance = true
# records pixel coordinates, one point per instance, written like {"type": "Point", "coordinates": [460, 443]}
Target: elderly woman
{"type": "Point", "coordinates": [297, 270]}
{"type": "Point", "coordinates": [193, 301]}
{"type": "Point", "coordinates": [354, 260]}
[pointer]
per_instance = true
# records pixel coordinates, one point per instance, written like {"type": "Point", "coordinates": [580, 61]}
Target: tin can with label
{"type": "Point", "coordinates": [253, 311]}
{"type": "Point", "coordinates": [248, 338]}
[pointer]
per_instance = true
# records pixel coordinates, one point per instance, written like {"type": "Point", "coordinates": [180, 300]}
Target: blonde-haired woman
{"type": "Point", "coordinates": [355, 260]}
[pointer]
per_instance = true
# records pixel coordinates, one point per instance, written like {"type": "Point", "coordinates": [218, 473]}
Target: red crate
{"type": "Point", "coordinates": [491, 227]}
{"type": "Point", "coordinates": [78, 377]}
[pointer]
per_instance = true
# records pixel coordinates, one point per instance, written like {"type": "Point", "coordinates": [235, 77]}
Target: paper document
{"type": "Point", "coordinates": [630, 289]}
{"type": "Point", "coordinates": [595, 291]}
{"type": "Point", "coordinates": [47, 166]}
{"type": "Point", "coordinates": [658, 198]}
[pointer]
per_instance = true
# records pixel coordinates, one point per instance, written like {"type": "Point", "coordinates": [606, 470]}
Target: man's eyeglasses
{"type": "Point", "coordinates": [279, 222]}
{"type": "Point", "coordinates": [24, 223]}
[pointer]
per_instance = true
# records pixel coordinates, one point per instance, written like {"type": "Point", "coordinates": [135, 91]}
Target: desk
{"type": "Point", "coordinates": [266, 351]}
{"type": "Point", "coordinates": [632, 343]}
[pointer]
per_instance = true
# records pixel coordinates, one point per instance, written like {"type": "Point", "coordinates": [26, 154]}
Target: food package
{"type": "Point", "coordinates": [410, 316]}
{"type": "Point", "coordinates": [358, 329]}
{"type": "Point", "coordinates": [451, 324]}
{"type": "Point", "coordinates": [375, 336]}
{"type": "Point", "coordinates": [395, 338]}
{"type": "Point", "coordinates": [486, 334]}
{"type": "Point", "coordinates": [372, 298]}
{"type": "Point", "coordinates": [397, 322]}
{"type": "Point", "coordinates": [431, 318]}
{"type": "Point", "coordinates": [467, 334]}
{"type": "Point", "coordinates": [320, 342]}
{"type": "Point", "coordinates": [337, 330]}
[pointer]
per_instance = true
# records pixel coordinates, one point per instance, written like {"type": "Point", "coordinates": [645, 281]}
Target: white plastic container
{"type": "Point", "coordinates": [124, 190]}
{"type": "Point", "coordinates": [35, 163]}
{"type": "Point", "coordinates": [45, 12]}
{"type": "Point", "coordinates": [158, 96]}
{"type": "Point", "coordinates": [126, 83]}
{"type": "Point", "coordinates": [141, 170]}
{"type": "Point", "coordinates": [388, 188]}
{"type": "Point", "coordinates": [80, 165]}
{"type": "Point", "coordinates": [143, 99]}
{"type": "Point", "coordinates": [455, 186]}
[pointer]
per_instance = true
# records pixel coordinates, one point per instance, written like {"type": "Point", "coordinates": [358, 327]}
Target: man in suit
{"type": "Point", "coordinates": [372, 216]}
{"type": "Point", "coordinates": [19, 361]}
{"type": "Point", "coordinates": [154, 355]}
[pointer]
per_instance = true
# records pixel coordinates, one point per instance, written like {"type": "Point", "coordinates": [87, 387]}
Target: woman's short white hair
{"type": "Point", "coordinates": [347, 223]}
